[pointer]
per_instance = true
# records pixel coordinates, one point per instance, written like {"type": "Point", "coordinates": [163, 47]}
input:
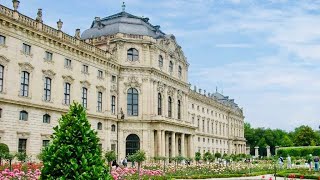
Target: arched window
{"type": "Point", "coordinates": [132, 102]}
{"type": "Point", "coordinates": [46, 118]}
{"type": "Point", "coordinates": [132, 144]}
{"type": "Point", "coordinates": [180, 71]}
{"type": "Point", "coordinates": [84, 97]}
{"type": "Point", "coordinates": [113, 128]}
{"type": "Point", "coordinates": [159, 104]}
{"type": "Point", "coordinates": [169, 107]}
{"type": "Point", "coordinates": [179, 109]}
{"type": "Point", "coordinates": [170, 66]}
{"type": "Point", "coordinates": [1, 77]}
{"type": "Point", "coordinates": [133, 54]}
{"type": "Point", "coordinates": [47, 89]}
{"type": "Point", "coordinates": [23, 116]}
{"type": "Point", "coordinates": [24, 86]}
{"type": "Point", "coordinates": [160, 61]}
{"type": "Point", "coordinates": [99, 126]}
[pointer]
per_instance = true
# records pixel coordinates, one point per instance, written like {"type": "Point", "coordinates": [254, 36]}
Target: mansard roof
{"type": "Point", "coordinates": [122, 22]}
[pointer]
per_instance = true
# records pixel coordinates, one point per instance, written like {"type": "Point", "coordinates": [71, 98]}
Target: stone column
{"type": "Point", "coordinates": [173, 144]}
{"type": "Point", "coordinates": [158, 143]}
{"type": "Point", "coordinates": [276, 150]}
{"type": "Point", "coordinates": [247, 150]}
{"type": "Point", "coordinates": [191, 146]}
{"type": "Point", "coordinates": [182, 146]}
{"type": "Point", "coordinates": [163, 143]}
{"type": "Point", "coordinates": [256, 151]}
{"type": "Point", "coordinates": [167, 145]}
{"type": "Point", "coordinates": [268, 151]}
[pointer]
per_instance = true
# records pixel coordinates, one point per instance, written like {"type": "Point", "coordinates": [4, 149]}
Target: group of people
{"type": "Point", "coordinates": [315, 159]}
{"type": "Point", "coordinates": [124, 162]}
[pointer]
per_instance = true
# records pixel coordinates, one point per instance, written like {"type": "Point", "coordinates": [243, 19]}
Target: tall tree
{"type": "Point", "coordinates": [304, 136]}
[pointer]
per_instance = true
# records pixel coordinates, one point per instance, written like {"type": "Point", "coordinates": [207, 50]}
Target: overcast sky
{"type": "Point", "coordinates": [264, 53]}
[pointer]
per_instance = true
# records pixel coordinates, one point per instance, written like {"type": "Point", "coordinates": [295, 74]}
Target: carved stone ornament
{"type": "Point", "coordinates": [160, 87]}
{"type": "Point", "coordinates": [68, 79]}
{"type": "Point", "coordinates": [23, 134]}
{"type": "Point", "coordinates": [46, 136]}
{"type": "Point", "coordinates": [100, 88]}
{"type": "Point", "coordinates": [4, 61]}
{"type": "Point", "coordinates": [179, 94]}
{"type": "Point", "coordinates": [113, 89]}
{"type": "Point", "coordinates": [26, 67]}
{"type": "Point", "coordinates": [49, 73]}
{"type": "Point", "coordinates": [170, 91]}
{"type": "Point", "coordinates": [85, 84]}
{"type": "Point", "coordinates": [39, 15]}
{"type": "Point", "coordinates": [132, 83]}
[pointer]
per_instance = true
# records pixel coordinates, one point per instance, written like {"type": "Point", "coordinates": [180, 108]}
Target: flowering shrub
{"type": "Point", "coordinates": [128, 173]}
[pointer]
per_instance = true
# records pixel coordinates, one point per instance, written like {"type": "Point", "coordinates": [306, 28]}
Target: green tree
{"type": "Point", "coordinates": [217, 155]}
{"type": "Point", "coordinates": [9, 157]}
{"type": "Point", "coordinates": [4, 149]}
{"type": "Point", "coordinates": [207, 156]}
{"type": "Point", "coordinates": [74, 152]}
{"type": "Point", "coordinates": [110, 156]}
{"type": "Point", "coordinates": [286, 141]}
{"type": "Point", "coordinates": [304, 136]}
{"type": "Point", "coordinates": [138, 157]}
{"type": "Point", "coordinates": [197, 157]}
{"type": "Point", "coordinates": [22, 156]}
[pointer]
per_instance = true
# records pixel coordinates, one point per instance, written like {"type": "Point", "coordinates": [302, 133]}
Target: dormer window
{"type": "Point", "coordinates": [133, 54]}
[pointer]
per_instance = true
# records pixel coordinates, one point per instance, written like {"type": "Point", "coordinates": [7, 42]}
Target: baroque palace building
{"type": "Point", "coordinates": [130, 76]}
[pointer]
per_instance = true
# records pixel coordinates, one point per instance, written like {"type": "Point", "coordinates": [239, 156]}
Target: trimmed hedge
{"type": "Point", "coordinates": [299, 151]}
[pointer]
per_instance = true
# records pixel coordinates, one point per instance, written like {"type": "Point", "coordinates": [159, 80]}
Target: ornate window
{"type": "Point", "coordinates": [179, 71]}
{"type": "Point", "coordinates": [84, 97]}
{"type": "Point", "coordinates": [169, 107]}
{"type": "Point", "coordinates": [46, 118]}
{"type": "Point", "coordinates": [132, 102]}
{"type": "Point", "coordinates": [99, 106]}
{"type": "Point", "coordinates": [170, 66]}
{"type": "Point", "coordinates": [23, 116]}
{"type": "Point", "coordinates": [22, 146]}
{"type": "Point", "coordinates": [113, 104]}
{"type": "Point", "coordinates": [160, 61]}
{"type": "Point", "coordinates": [47, 89]}
{"type": "Point", "coordinates": [99, 126]}
{"type": "Point", "coordinates": [1, 77]}
{"type": "Point", "coordinates": [48, 56]}
{"type": "Point", "coordinates": [24, 87]}
{"type": "Point", "coordinates": [133, 54]}
{"type": "Point", "coordinates": [67, 93]}
{"type": "Point", "coordinates": [67, 63]}
{"type": "Point", "coordinates": [113, 128]}
{"type": "Point", "coordinates": [26, 49]}
{"type": "Point", "coordinates": [159, 104]}
{"type": "Point", "coordinates": [179, 109]}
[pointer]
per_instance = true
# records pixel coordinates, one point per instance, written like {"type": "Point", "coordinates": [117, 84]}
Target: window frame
{"type": "Point", "coordinates": [24, 84]}
{"type": "Point", "coordinates": [99, 101]}
{"type": "Point", "coordinates": [132, 55]}
{"type": "Point", "coordinates": [48, 56]}
{"type": "Point", "coordinates": [45, 143]}
{"type": "Point", "coordinates": [46, 118]}
{"type": "Point", "coordinates": [2, 40]}
{"type": "Point", "coordinates": [169, 107]}
{"type": "Point", "coordinates": [47, 89]}
{"type": "Point", "coordinates": [1, 77]}
{"type": "Point", "coordinates": [23, 115]}
{"type": "Point", "coordinates": [26, 49]}
{"type": "Point", "coordinates": [84, 97]}
{"type": "Point", "coordinates": [67, 63]}
{"type": "Point", "coordinates": [113, 104]}
{"type": "Point", "coordinates": [67, 94]}
{"type": "Point", "coordinates": [133, 105]}
{"type": "Point", "coordinates": [159, 104]}
{"type": "Point", "coordinates": [171, 67]}
{"type": "Point", "coordinates": [179, 109]}
{"type": "Point", "coordinates": [99, 126]}
{"type": "Point", "coordinates": [85, 69]}
{"type": "Point", "coordinates": [113, 128]}
{"type": "Point", "coordinates": [180, 71]}
{"type": "Point", "coordinates": [160, 61]}
{"type": "Point", "coordinates": [22, 145]}
{"type": "Point", "coordinates": [100, 74]}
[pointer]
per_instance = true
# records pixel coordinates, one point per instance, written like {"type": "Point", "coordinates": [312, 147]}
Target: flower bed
{"type": "Point", "coordinates": [26, 171]}
{"type": "Point", "coordinates": [131, 173]}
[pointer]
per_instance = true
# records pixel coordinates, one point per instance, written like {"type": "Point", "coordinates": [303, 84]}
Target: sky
{"type": "Point", "coordinates": [265, 54]}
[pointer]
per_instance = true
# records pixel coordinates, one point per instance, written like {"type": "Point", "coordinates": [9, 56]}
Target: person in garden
{"type": "Point", "coordinates": [309, 160]}
{"type": "Point", "coordinates": [125, 162]}
{"type": "Point", "coordinates": [316, 163]}
{"type": "Point", "coordinates": [289, 165]}
{"type": "Point", "coordinates": [280, 162]}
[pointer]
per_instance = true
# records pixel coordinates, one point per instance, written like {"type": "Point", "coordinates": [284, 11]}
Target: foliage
{"type": "Point", "coordinates": [305, 136]}
{"type": "Point", "coordinates": [217, 155]}
{"type": "Point", "coordinates": [110, 156]}
{"type": "Point", "coordinates": [74, 152]}
{"type": "Point", "coordinates": [22, 156]}
{"type": "Point", "coordinates": [4, 149]}
{"type": "Point", "coordinates": [299, 151]}
{"type": "Point", "coordinates": [139, 156]}
{"type": "Point", "coordinates": [207, 156]}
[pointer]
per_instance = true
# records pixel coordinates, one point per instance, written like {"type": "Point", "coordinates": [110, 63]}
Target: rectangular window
{"type": "Point", "coordinates": [67, 63]}
{"type": "Point", "coordinates": [47, 89]}
{"type": "Point", "coordinates": [22, 146]}
{"type": "Point", "coordinates": [26, 49]}
{"type": "Point", "coordinates": [67, 93]}
{"type": "Point", "coordinates": [1, 77]}
{"type": "Point", "coordinates": [24, 86]}
{"type": "Point", "coordinates": [99, 107]}
{"type": "Point", "coordinates": [84, 97]}
{"type": "Point", "coordinates": [48, 56]}
{"type": "Point", "coordinates": [113, 104]}
{"type": "Point", "coordinates": [85, 69]}
{"type": "Point", "coordinates": [45, 143]}
{"type": "Point", "coordinates": [2, 40]}
{"type": "Point", "coordinates": [113, 147]}
{"type": "Point", "coordinates": [113, 78]}
{"type": "Point", "coordinates": [100, 74]}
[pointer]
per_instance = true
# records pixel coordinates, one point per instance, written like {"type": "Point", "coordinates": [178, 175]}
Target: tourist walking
{"type": "Point", "coordinates": [125, 162]}
{"type": "Point", "coordinates": [289, 165]}
{"type": "Point", "coordinates": [309, 160]}
{"type": "Point", "coordinates": [281, 162]}
{"type": "Point", "coordinates": [316, 163]}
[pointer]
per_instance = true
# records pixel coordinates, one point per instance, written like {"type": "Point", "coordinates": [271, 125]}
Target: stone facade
{"type": "Point", "coordinates": [134, 100]}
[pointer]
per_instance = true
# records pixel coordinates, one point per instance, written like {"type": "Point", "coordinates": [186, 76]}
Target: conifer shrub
{"type": "Point", "coordinates": [4, 149]}
{"type": "Point", "coordinates": [74, 152]}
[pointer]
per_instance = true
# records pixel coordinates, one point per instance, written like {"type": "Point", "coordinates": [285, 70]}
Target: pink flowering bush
{"type": "Point", "coordinates": [128, 173]}
{"type": "Point", "coordinates": [17, 174]}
